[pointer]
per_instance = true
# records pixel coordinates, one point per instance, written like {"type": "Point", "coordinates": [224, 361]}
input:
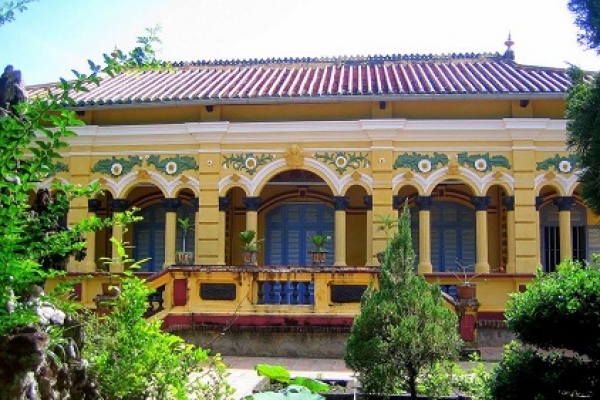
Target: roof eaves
{"type": "Point", "coordinates": [323, 99]}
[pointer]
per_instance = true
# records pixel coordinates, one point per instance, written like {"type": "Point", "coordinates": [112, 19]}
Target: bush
{"type": "Point", "coordinates": [530, 374]}
{"type": "Point", "coordinates": [404, 328]}
{"type": "Point", "coordinates": [559, 314]}
{"type": "Point", "coordinates": [560, 310]}
{"type": "Point", "coordinates": [133, 358]}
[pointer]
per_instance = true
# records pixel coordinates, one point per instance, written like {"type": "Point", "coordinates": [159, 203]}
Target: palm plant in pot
{"type": "Point", "coordinates": [249, 246]}
{"type": "Point", "coordinates": [386, 224]}
{"type": "Point", "coordinates": [318, 255]}
{"type": "Point", "coordinates": [184, 257]}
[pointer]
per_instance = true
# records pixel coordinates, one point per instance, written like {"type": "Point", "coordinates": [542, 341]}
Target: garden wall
{"type": "Point", "coordinates": [300, 342]}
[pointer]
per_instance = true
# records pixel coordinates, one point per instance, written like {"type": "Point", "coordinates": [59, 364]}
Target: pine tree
{"type": "Point", "coordinates": [404, 327]}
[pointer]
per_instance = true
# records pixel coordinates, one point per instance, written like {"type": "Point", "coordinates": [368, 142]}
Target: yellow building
{"type": "Point", "coordinates": [475, 143]}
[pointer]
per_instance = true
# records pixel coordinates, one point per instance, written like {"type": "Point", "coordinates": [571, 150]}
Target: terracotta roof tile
{"type": "Point", "coordinates": [313, 79]}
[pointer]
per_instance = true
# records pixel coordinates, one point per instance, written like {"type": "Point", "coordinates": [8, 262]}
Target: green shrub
{"type": "Point", "coordinates": [558, 312]}
{"type": "Point", "coordinates": [530, 374]}
{"type": "Point", "coordinates": [132, 358]}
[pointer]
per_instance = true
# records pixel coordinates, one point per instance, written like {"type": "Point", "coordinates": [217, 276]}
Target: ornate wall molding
{"type": "Point", "coordinates": [116, 167]}
{"type": "Point", "coordinates": [173, 165]}
{"type": "Point", "coordinates": [248, 162]}
{"type": "Point", "coordinates": [561, 164]}
{"type": "Point", "coordinates": [343, 160]}
{"type": "Point", "coordinates": [420, 162]}
{"type": "Point", "coordinates": [483, 162]}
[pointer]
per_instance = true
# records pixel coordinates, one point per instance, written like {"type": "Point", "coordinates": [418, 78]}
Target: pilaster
{"type": "Point", "coordinates": [424, 204]}
{"type": "Point", "coordinates": [340, 204]}
{"type": "Point", "coordinates": [171, 205]}
{"type": "Point", "coordinates": [481, 204]}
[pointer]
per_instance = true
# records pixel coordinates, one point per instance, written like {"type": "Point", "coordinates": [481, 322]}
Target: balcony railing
{"type": "Point", "coordinates": [278, 295]}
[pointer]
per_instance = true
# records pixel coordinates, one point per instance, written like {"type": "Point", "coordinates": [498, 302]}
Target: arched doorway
{"type": "Point", "coordinates": [288, 228]}
{"type": "Point", "coordinates": [452, 236]}
{"type": "Point", "coordinates": [550, 235]}
{"type": "Point", "coordinates": [149, 237]}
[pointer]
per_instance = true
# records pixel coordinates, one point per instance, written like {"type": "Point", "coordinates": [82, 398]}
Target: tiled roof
{"type": "Point", "coordinates": [330, 79]}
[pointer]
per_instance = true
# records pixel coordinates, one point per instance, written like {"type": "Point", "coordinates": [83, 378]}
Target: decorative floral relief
{"type": "Point", "coordinates": [483, 162]}
{"type": "Point", "coordinates": [173, 165]}
{"type": "Point", "coordinates": [342, 160]}
{"type": "Point", "coordinates": [58, 167]}
{"type": "Point", "coordinates": [248, 162]}
{"type": "Point", "coordinates": [420, 162]}
{"type": "Point", "coordinates": [424, 165]}
{"type": "Point", "coordinates": [562, 164]}
{"type": "Point", "coordinates": [116, 166]}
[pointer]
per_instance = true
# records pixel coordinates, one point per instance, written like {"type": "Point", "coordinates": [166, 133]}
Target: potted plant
{"type": "Point", "coordinates": [466, 290]}
{"type": "Point", "coordinates": [184, 257]}
{"type": "Point", "coordinates": [386, 224]}
{"type": "Point", "coordinates": [318, 255]}
{"type": "Point", "coordinates": [249, 246]}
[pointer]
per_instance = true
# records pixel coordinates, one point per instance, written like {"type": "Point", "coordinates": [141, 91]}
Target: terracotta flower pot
{"type": "Point", "coordinates": [466, 291]}
{"type": "Point", "coordinates": [318, 257]}
{"type": "Point", "coordinates": [249, 257]}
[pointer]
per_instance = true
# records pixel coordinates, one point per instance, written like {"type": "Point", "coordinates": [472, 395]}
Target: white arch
{"type": "Point", "coordinates": [367, 179]}
{"type": "Point", "coordinates": [572, 182]}
{"type": "Point", "coordinates": [243, 181]}
{"type": "Point", "coordinates": [426, 183]}
{"type": "Point", "coordinates": [272, 166]}
{"type": "Point", "coordinates": [567, 183]}
{"type": "Point", "coordinates": [418, 179]}
{"type": "Point", "coordinates": [171, 186]}
{"type": "Point", "coordinates": [507, 178]}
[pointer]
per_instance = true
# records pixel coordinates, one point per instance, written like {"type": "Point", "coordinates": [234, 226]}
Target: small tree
{"type": "Point", "coordinates": [404, 328]}
{"type": "Point", "coordinates": [559, 311]}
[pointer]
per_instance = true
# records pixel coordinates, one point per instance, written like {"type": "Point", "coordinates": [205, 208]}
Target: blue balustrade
{"type": "Point", "coordinates": [286, 292]}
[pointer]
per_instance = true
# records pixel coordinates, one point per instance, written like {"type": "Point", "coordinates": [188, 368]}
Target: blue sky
{"type": "Point", "coordinates": [54, 36]}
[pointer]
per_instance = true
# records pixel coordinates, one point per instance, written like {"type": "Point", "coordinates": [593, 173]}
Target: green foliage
{"type": "Point", "coordinates": [8, 9]}
{"type": "Point", "coordinates": [128, 354]}
{"type": "Point", "coordinates": [133, 358]}
{"type": "Point", "coordinates": [387, 223]}
{"type": "Point", "coordinates": [32, 133]}
{"type": "Point", "coordinates": [558, 311]}
{"type": "Point", "coordinates": [314, 385]}
{"type": "Point", "coordinates": [583, 133]}
{"type": "Point", "coordinates": [121, 261]}
{"type": "Point", "coordinates": [279, 373]}
{"type": "Point", "coordinates": [186, 225]}
{"type": "Point", "coordinates": [319, 241]}
{"type": "Point", "coordinates": [587, 19]}
{"type": "Point", "coordinates": [404, 329]}
{"type": "Point", "coordinates": [529, 374]}
{"type": "Point", "coordinates": [248, 239]}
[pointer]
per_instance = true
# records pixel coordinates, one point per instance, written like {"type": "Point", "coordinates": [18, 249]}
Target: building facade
{"type": "Point", "coordinates": [474, 144]}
